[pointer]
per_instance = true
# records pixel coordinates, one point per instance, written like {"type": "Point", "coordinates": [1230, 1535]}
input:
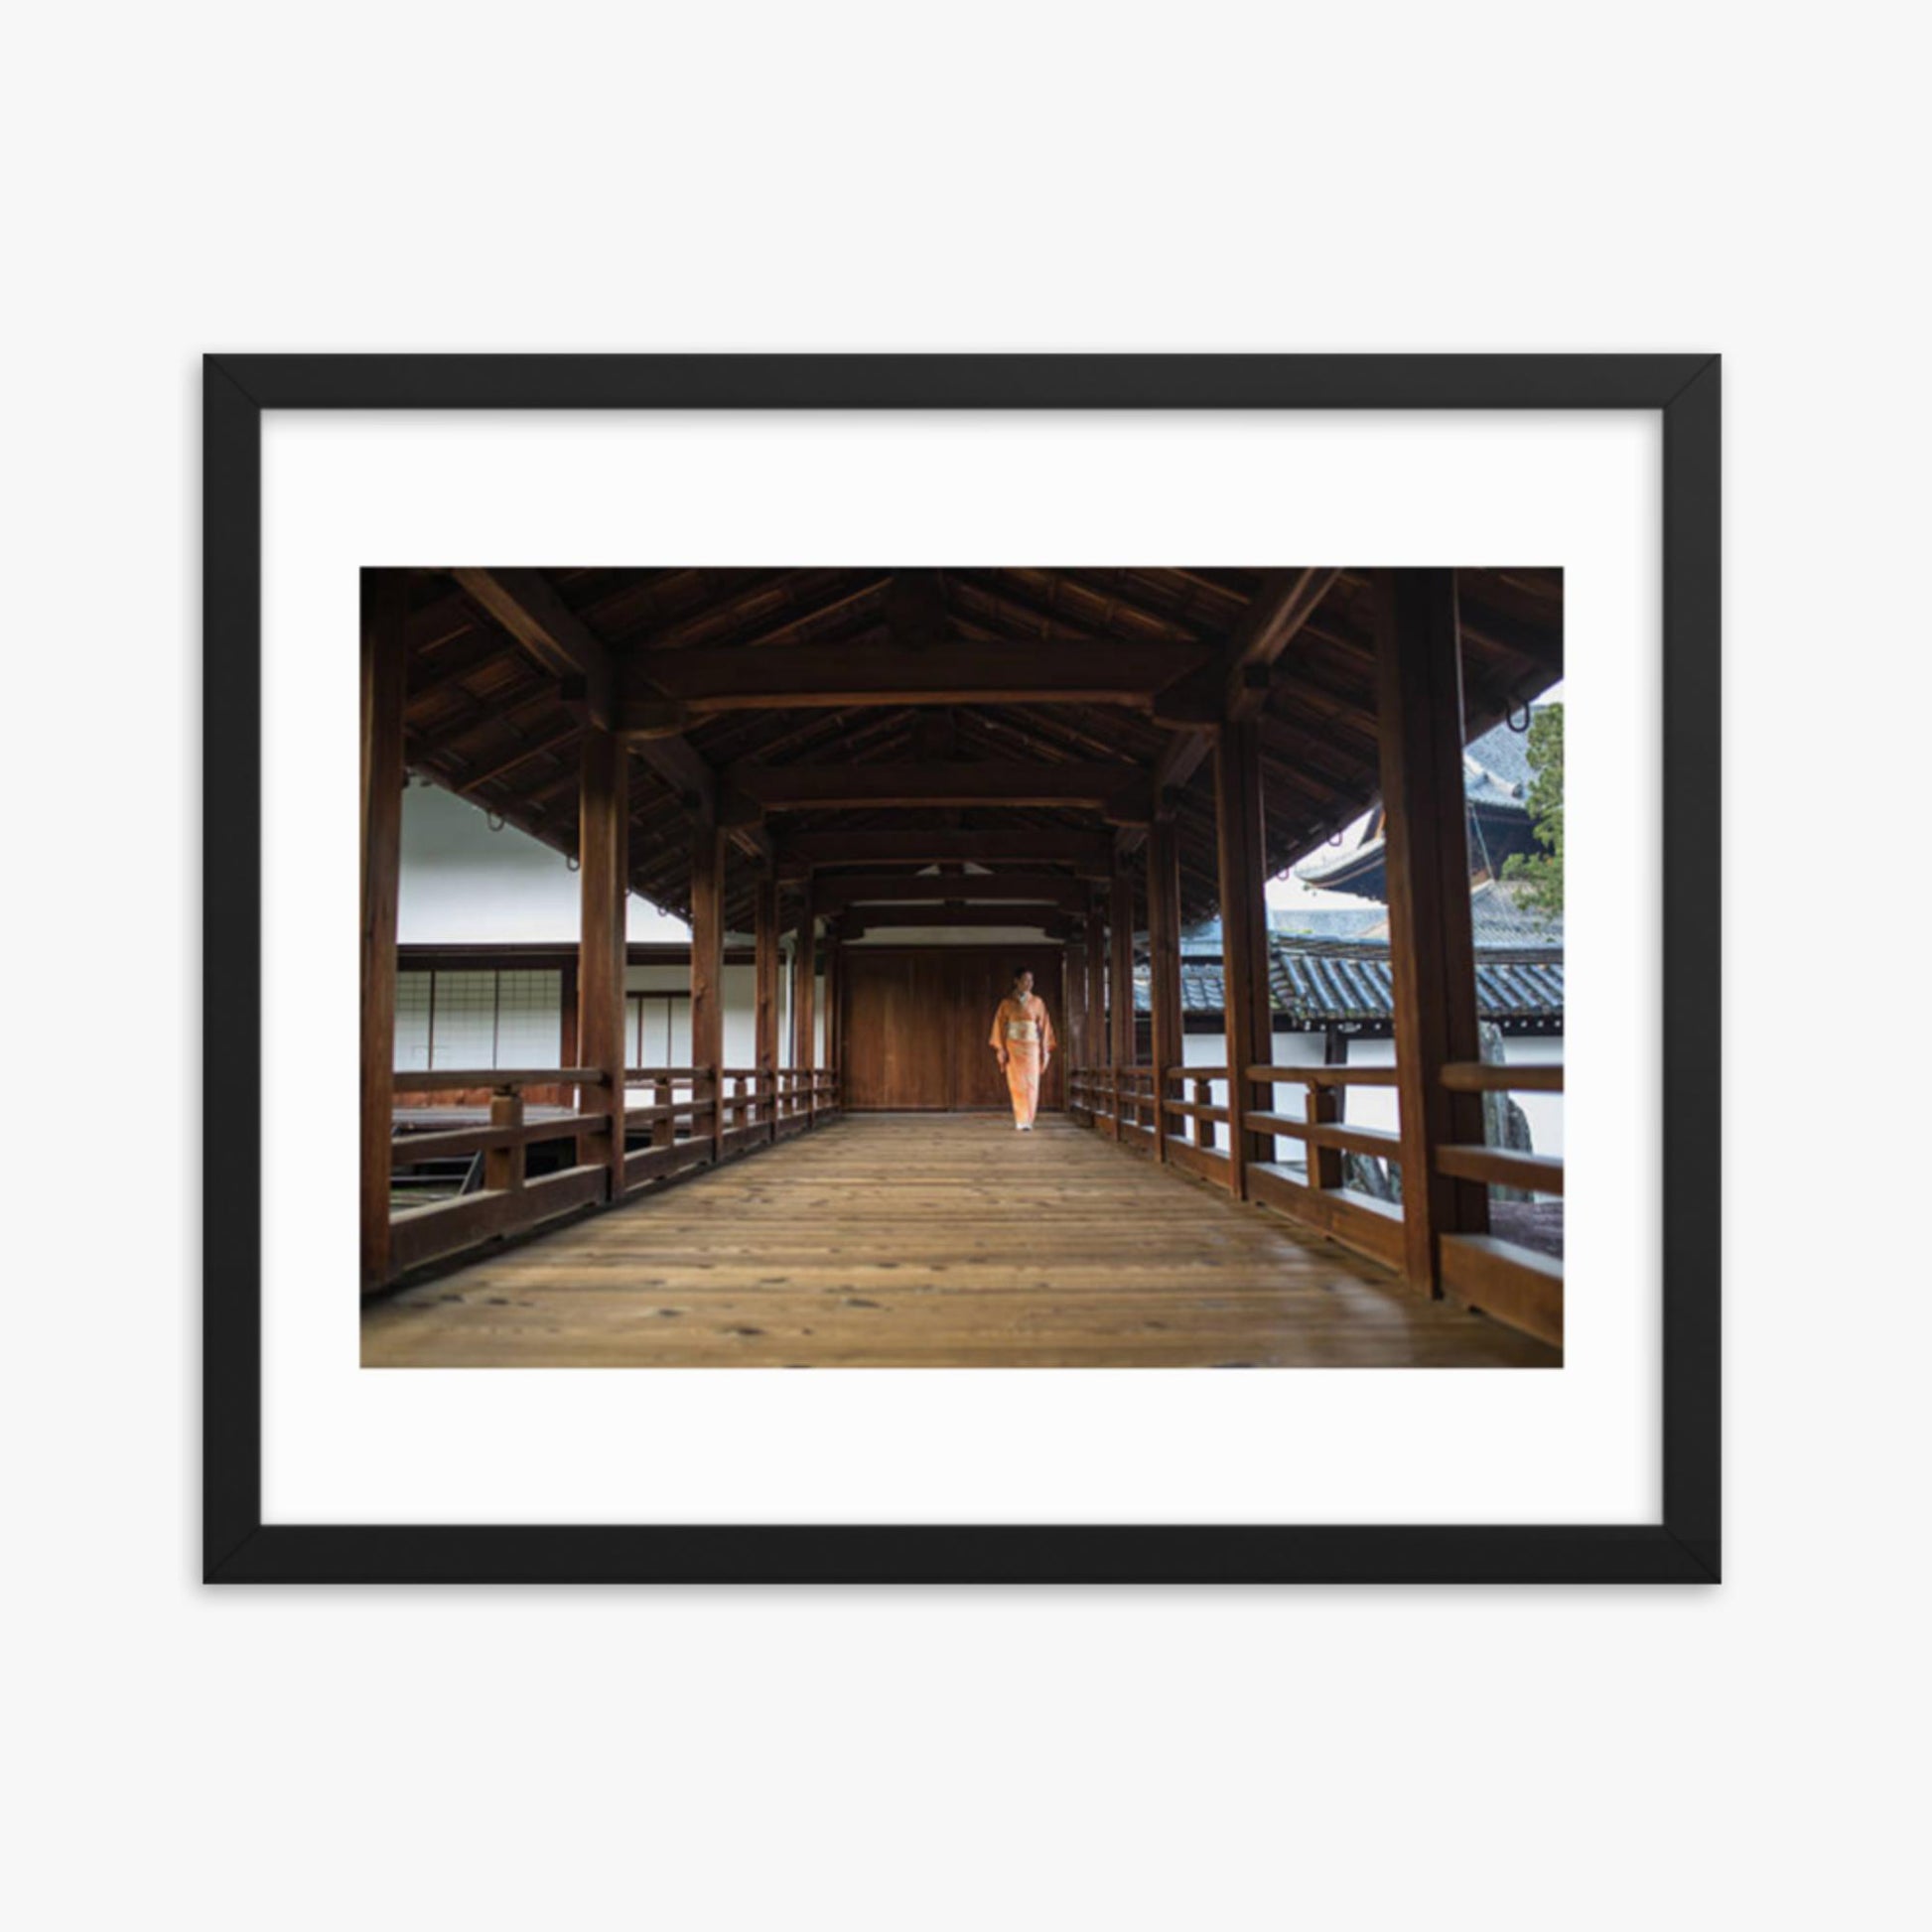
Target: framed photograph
{"type": "Point", "coordinates": [1013, 884]}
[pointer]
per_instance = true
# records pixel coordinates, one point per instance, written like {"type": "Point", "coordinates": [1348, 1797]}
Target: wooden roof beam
{"type": "Point", "coordinates": [896, 888]}
{"type": "Point", "coordinates": [1119, 791]}
{"type": "Point", "coordinates": [1089, 855]}
{"type": "Point", "coordinates": [779, 602]}
{"type": "Point", "coordinates": [523, 603]}
{"type": "Point", "coordinates": [1281, 608]}
{"type": "Point", "coordinates": [1284, 604]}
{"type": "Point", "coordinates": [869, 918]}
{"type": "Point", "coordinates": [535, 748]}
{"type": "Point", "coordinates": [1041, 734]}
{"type": "Point", "coordinates": [916, 609]}
{"type": "Point", "coordinates": [1187, 619]}
{"type": "Point", "coordinates": [663, 690]}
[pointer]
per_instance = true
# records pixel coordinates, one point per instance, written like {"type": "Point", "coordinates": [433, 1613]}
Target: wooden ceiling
{"type": "Point", "coordinates": [836, 716]}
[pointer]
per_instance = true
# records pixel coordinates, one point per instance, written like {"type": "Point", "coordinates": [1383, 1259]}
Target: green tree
{"type": "Point", "coordinates": [1541, 872]}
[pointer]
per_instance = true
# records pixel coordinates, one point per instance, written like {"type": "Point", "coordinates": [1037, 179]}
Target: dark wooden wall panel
{"type": "Point", "coordinates": [916, 1023]}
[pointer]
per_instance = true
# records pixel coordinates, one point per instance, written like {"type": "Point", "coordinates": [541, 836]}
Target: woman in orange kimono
{"type": "Point", "coordinates": [1023, 1037]}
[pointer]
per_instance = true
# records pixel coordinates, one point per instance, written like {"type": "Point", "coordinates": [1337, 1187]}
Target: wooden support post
{"type": "Point", "coordinates": [1324, 1163]}
{"type": "Point", "coordinates": [1334, 1052]}
{"type": "Point", "coordinates": [384, 687]}
{"type": "Point", "coordinates": [503, 1166]}
{"type": "Point", "coordinates": [1120, 988]}
{"type": "Point", "coordinates": [832, 990]}
{"type": "Point", "coordinates": [567, 1028]}
{"type": "Point", "coordinates": [1204, 1127]}
{"type": "Point", "coordinates": [1074, 1000]}
{"type": "Point", "coordinates": [1418, 703]}
{"type": "Point", "coordinates": [708, 971]}
{"type": "Point", "coordinates": [1163, 955]}
{"type": "Point", "coordinates": [1098, 1054]}
{"type": "Point", "coordinates": [662, 1132]}
{"type": "Point", "coordinates": [805, 987]}
{"type": "Point", "coordinates": [1244, 935]}
{"type": "Point", "coordinates": [603, 873]}
{"type": "Point", "coordinates": [764, 920]}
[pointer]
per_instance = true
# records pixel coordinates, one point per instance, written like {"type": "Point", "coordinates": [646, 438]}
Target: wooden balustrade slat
{"type": "Point", "coordinates": [659, 1110]}
{"type": "Point", "coordinates": [1204, 1121]}
{"type": "Point", "coordinates": [1349, 1140]}
{"type": "Point", "coordinates": [1323, 1115]}
{"type": "Point", "coordinates": [1198, 1109]}
{"type": "Point", "coordinates": [504, 1167]}
{"type": "Point", "coordinates": [1479, 1076]}
{"type": "Point", "coordinates": [409, 1150]}
{"type": "Point", "coordinates": [454, 1080]}
{"type": "Point", "coordinates": [1327, 1076]}
{"type": "Point", "coordinates": [1500, 1168]}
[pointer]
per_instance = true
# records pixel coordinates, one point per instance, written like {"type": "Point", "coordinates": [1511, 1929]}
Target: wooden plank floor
{"type": "Point", "coordinates": [932, 1240]}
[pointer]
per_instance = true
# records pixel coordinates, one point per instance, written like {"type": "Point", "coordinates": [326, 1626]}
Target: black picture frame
{"type": "Point", "coordinates": [238, 1546]}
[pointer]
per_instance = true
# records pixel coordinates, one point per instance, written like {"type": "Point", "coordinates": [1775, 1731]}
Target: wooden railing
{"type": "Point", "coordinates": [1127, 1103]}
{"type": "Point", "coordinates": [693, 1118]}
{"type": "Point", "coordinates": [508, 1202]}
{"type": "Point", "coordinates": [1514, 1284]}
{"type": "Point", "coordinates": [1317, 1197]}
{"type": "Point", "coordinates": [1190, 1128]}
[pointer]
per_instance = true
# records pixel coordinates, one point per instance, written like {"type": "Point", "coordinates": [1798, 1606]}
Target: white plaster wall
{"type": "Point", "coordinates": [463, 883]}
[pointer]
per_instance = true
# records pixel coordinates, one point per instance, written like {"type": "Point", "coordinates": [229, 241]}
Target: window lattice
{"type": "Point", "coordinates": [528, 1019]}
{"type": "Point", "coordinates": [463, 1031]}
{"type": "Point", "coordinates": [412, 1021]}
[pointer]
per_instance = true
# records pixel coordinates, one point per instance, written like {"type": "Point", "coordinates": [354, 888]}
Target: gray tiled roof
{"type": "Point", "coordinates": [1506, 754]}
{"type": "Point", "coordinates": [1320, 984]}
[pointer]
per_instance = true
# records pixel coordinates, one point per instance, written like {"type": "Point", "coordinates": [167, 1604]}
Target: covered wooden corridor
{"type": "Point", "coordinates": [844, 754]}
{"type": "Point", "coordinates": [933, 1240]}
